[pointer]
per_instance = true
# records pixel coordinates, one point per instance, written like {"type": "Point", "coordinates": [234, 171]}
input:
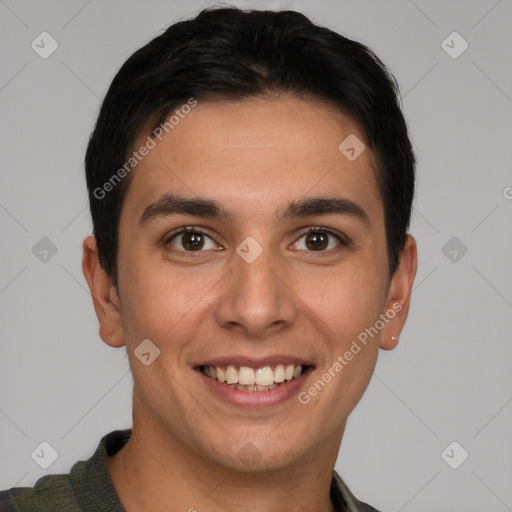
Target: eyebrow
{"type": "Point", "coordinates": [171, 204]}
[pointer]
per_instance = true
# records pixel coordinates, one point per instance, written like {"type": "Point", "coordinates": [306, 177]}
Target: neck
{"type": "Point", "coordinates": [155, 471]}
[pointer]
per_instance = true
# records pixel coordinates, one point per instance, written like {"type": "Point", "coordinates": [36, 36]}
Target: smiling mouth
{"type": "Point", "coordinates": [245, 378]}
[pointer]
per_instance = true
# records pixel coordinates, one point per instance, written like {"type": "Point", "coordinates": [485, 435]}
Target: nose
{"type": "Point", "coordinates": [257, 300]}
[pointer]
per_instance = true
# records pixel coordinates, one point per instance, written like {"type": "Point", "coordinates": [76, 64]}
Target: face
{"type": "Point", "coordinates": [251, 250]}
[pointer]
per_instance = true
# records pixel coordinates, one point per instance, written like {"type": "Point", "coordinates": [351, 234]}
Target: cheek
{"type": "Point", "coordinates": [347, 300]}
{"type": "Point", "coordinates": [346, 305]}
{"type": "Point", "coordinates": [161, 301]}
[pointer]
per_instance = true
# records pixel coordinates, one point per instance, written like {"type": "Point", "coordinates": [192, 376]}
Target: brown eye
{"type": "Point", "coordinates": [317, 241]}
{"type": "Point", "coordinates": [191, 240]}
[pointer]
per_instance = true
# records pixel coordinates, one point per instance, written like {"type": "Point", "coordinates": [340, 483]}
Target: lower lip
{"type": "Point", "coordinates": [256, 398]}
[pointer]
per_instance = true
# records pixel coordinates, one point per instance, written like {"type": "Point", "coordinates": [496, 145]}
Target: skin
{"type": "Point", "coordinates": [253, 157]}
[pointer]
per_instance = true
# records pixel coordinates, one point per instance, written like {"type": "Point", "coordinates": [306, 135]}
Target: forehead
{"type": "Point", "coordinates": [256, 153]}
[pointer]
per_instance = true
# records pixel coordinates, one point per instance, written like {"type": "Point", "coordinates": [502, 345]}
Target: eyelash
{"type": "Point", "coordinates": [313, 229]}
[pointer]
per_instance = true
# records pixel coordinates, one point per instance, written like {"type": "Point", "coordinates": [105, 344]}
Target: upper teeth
{"type": "Point", "coordinates": [246, 376]}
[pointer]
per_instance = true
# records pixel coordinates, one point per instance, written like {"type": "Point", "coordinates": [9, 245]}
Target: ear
{"type": "Point", "coordinates": [104, 295]}
{"type": "Point", "coordinates": [399, 295]}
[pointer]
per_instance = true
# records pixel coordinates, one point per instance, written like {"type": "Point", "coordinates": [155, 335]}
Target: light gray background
{"type": "Point", "coordinates": [449, 379]}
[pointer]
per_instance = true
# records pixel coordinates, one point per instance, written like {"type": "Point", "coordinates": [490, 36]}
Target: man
{"type": "Point", "coordinates": [250, 179]}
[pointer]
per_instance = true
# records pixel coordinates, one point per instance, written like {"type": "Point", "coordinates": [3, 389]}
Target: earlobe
{"type": "Point", "coordinates": [104, 295]}
{"type": "Point", "coordinates": [399, 295]}
{"type": "Point", "coordinates": [390, 343]}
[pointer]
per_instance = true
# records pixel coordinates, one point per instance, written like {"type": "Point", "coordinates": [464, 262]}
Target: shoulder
{"type": "Point", "coordinates": [50, 493]}
{"type": "Point", "coordinates": [86, 488]}
{"type": "Point", "coordinates": [350, 502]}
